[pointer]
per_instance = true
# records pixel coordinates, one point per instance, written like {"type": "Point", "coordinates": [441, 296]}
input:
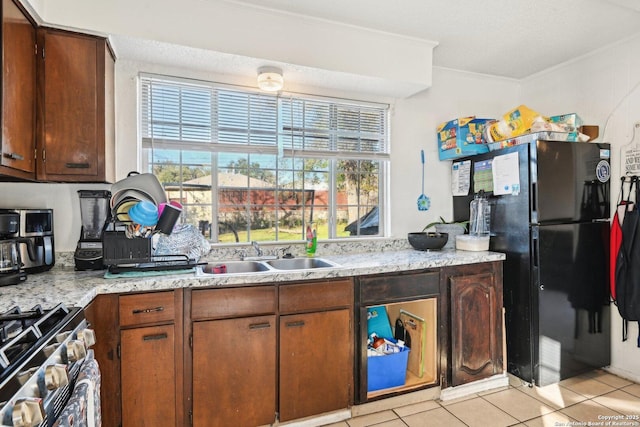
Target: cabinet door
{"type": "Point", "coordinates": [148, 377]}
{"type": "Point", "coordinates": [18, 93]}
{"type": "Point", "coordinates": [476, 328]}
{"type": "Point", "coordinates": [316, 363]}
{"type": "Point", "coordinates": [234, 372]}
{"type": "Point", "coordinates": [72, 107]}
{"type": "Point", "coordinates": [102, 315]}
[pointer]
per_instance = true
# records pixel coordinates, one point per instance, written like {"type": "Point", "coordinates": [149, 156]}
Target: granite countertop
{"type": "Point", "coordinates": [74, 288]}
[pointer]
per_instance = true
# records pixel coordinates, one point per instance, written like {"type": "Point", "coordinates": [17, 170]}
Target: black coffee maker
{"type": "Point", "coordinates": [95, 211]}
{"type": "Point", "coordinates": [36, 239]}
{"type": "Point", "coordinates": [11, 271]}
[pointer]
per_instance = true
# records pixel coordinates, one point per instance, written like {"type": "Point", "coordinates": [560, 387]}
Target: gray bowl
{"type": "Point", "coordinates": [424, 241]}
{"type": "Point", "coordinates": [143, 186]}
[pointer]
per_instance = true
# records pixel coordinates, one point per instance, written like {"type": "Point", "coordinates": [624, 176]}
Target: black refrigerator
{"type": "Point", "coordinates": [554, 229]}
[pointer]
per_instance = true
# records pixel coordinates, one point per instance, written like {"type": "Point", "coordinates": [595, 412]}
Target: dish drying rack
{"type": "Point", "coordinates": [122, 254]}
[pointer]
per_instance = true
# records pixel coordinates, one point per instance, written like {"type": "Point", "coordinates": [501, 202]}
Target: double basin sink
{"type": "Point", "coordinates": [274, 265]}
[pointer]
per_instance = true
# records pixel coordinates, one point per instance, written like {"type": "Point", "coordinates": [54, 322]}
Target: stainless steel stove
{"type": "Point", "coordinates": [41, 352]}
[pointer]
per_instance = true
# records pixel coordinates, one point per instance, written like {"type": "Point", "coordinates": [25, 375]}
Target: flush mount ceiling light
{"type": "Point", "coordinates": [270, 79]}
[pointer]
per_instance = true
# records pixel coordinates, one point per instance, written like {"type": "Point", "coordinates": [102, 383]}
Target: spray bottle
{"type": "Point", "coordinates": [312, 241]}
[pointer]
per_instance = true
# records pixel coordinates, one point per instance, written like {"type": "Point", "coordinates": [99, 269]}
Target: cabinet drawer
{"type": "Point", "coordinates": [149, 307]}
{"type": "Point", "coordinates": [316, 296]}
{"type": "Point", "coordinates": [233, 302]}
{"type": "Point", "coordinates": [397, 286]}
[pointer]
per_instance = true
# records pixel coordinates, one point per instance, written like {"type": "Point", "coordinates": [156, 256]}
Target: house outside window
{"type": "Point", "coordinates": [249, 166]}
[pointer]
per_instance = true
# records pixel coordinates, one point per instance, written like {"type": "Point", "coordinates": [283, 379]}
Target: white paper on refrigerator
{"type": "Point", "coordinates": [461, 178]}
{"type": "Point", "coordinates": [506, 174]}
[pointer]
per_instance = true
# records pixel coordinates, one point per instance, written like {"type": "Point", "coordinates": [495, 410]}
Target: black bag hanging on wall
{"type": "Point", "coordinates": [628, 264]}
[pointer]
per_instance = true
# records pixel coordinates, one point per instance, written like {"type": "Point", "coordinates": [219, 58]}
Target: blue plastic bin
{"type": "Point", "coordinates": [387, 371]}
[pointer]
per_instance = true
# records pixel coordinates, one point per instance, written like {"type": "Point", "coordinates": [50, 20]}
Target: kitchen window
{"type": "Point", "coordinates": [249, 166]}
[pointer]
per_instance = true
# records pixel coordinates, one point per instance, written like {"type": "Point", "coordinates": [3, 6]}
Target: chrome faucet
{"type": "Point", "coordinates": [256, 246]}
{"type": "Point", "coordinates": [260, 254]}
{"type": "Point", "coordinates": [286, 252]}
{"type": "Point", "coordinates": [241, 252]}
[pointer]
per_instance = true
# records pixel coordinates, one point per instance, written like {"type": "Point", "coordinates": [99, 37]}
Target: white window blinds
{"type": "Point", "coordinates": [185, 114]}
{"type": "Point", "coordinates": [333, 128]}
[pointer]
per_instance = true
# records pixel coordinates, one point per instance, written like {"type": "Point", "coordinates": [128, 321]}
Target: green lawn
{"type": "Point", "coordinates": [264, 235]}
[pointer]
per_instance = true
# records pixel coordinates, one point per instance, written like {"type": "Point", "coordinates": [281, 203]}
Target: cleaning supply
{"type": "Point", "coordinates": [312, 241]}
{"type": "Point", "coordinates": [514, 123]}
{"type": "Point", "coordinates": [423, 201]}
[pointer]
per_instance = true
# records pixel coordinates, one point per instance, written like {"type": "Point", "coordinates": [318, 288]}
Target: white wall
{"type": "Point", "coordinates": [413, 124]}
{"type": "Point", "coordinates": [599, 87]}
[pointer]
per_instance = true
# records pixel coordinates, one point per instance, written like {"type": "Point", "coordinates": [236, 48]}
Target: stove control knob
{"type": "Point", "coordinates": [62, 336]}
{"type": "Point", "coordinates": [88, 336]}
{"type": "Point", "coordinates": [24, 376]}
{"type": "Point", "coordinates": [56, 376]}
{"type": "Point", "coordinates": [50, 349]}
{"type": "Point", "coordinates": [75, 350]}
{"type": "Point", "coordinates": [28, 412]}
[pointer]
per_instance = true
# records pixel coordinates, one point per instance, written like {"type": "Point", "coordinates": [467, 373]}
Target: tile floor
{"type": "Point", "coordinates": [584, 400]}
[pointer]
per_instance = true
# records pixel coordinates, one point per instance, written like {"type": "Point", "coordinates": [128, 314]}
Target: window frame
{"type": "Point", "coordinates": [215, 148]}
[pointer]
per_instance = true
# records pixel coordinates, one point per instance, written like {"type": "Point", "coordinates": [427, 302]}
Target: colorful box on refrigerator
{"type": "Point", "coordinates": [461, 137]}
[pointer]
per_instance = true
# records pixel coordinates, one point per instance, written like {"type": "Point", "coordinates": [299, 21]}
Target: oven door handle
{"type": "Point", "coordinates": [85, 397]}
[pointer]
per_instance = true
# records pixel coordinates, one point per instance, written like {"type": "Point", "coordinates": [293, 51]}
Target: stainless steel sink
{"type": "Point", "coordinates": [300, 263]}
{"type": "Point", "coordinates": [250, 266]}
{"type": "Point", "coordinates": [234, 267]}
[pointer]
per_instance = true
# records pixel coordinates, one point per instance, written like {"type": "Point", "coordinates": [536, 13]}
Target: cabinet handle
{"type": "Point", "coordinates": [147, 310]}
{"type": "Point", "coordinates": [13, 156]}
{"type": "Point", "coordinates": [260, 325]}
{"type": "Point", "coordinates": [77, 165]}
{"type": "Point", "coordinates": [295, 324]}
{"type": "Point", "coordinates": [155, 337]}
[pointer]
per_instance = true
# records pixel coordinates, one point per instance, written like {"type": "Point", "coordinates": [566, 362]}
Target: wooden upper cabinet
{"type": "Point", "coordinates": [18, 93]}
{"type": "Point", "coordinates": [75, 128]}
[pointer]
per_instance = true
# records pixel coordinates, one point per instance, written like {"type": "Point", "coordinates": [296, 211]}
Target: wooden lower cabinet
{"type": "Point", "coordinates": [316, 363]}
{"type": "Point", "coordinates": [148, 376]}
{"type": "Point", "coordinates": [232, 367]}
{"type": "Point", "coordinates": [102, 315]}
{"type": "Point", "coordinates": [234, 372]}
{"type": "Point", "coordinates": [475, 314]}
{"type": "Point", "coordinates": [270, 353]}
{"type": "Point", "coordinates": [258, 354]}
{"type": "Point", "coordinates": [410, 297]}
{"type": "Point", "coordinates": [139, 349]}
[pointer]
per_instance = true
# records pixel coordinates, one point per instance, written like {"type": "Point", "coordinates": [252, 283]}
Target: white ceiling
{"type": "Point", "coordinates": [509, 38]}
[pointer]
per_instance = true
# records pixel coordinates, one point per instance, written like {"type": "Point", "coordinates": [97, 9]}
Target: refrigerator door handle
{"type": "Point", "coordinates": [535, 258]}
{"type": "Point", "coordinates": [535, 247]}
{"type": "Point", "coordinates": [534, 202]}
